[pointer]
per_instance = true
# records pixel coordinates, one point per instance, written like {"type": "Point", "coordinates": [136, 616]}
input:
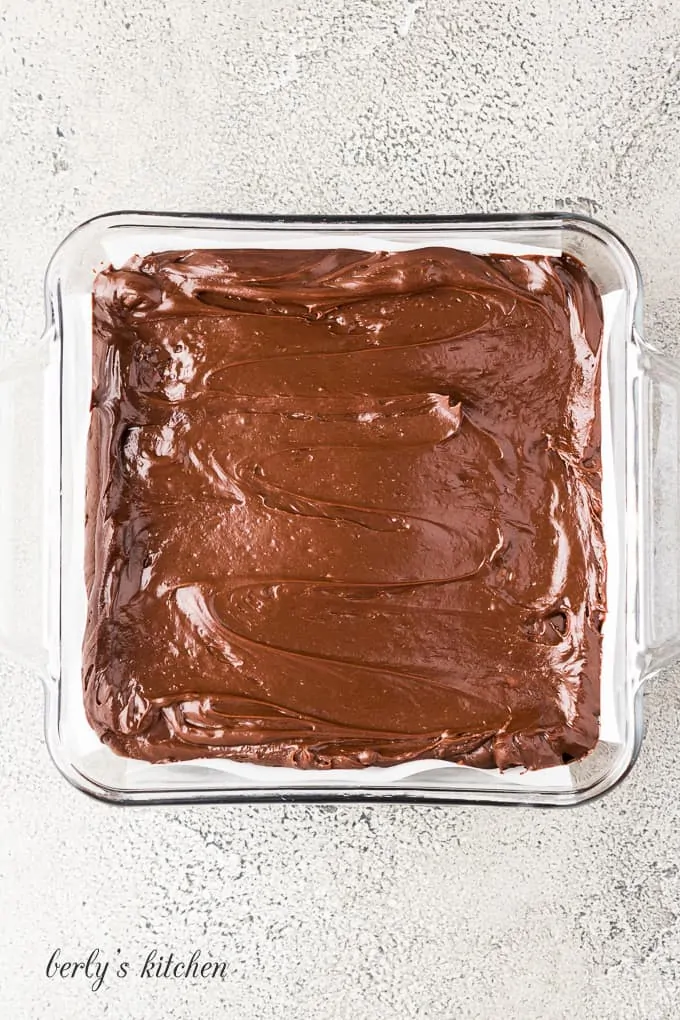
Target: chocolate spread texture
{"type": "Point", "coordinates": [344, 508]}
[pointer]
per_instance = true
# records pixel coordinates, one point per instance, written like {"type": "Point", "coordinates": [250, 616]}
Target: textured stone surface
{"type": "Point", "coordinates": [359, 106]}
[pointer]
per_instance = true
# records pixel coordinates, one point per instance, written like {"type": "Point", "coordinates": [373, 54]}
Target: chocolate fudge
{"type": "Point", "coordinates": [344, 508]}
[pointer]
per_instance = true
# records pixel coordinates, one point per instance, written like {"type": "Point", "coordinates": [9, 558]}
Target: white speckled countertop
{"type": "Point", "coordinates": [433, 106]}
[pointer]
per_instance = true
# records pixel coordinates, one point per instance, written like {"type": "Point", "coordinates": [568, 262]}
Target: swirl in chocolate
{"type": "Point", "coordinates": [343, 508]}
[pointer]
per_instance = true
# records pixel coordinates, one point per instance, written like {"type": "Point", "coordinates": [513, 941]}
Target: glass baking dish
{"type": "Point", "coordinates": [44, 414]}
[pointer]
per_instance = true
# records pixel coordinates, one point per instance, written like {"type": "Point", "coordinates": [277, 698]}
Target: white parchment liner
{"type": "Point", "coordinates": [82, 741]}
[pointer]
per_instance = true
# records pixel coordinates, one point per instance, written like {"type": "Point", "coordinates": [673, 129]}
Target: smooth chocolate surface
{"type": "Point", "coordinates": [343, 508]}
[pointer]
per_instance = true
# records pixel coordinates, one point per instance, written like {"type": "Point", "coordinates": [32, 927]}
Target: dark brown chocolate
{"type": "Point", "coordinates": [343, 509]}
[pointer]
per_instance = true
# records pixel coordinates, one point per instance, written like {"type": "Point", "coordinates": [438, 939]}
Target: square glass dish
{"type": "Point", "coordinates": [44, 418]}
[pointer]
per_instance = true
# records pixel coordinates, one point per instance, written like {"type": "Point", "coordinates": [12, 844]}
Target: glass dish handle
{"type": "Point", "coordinates": [23, 507]}
{"type": "Point", "coordinates": [659, 524]}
